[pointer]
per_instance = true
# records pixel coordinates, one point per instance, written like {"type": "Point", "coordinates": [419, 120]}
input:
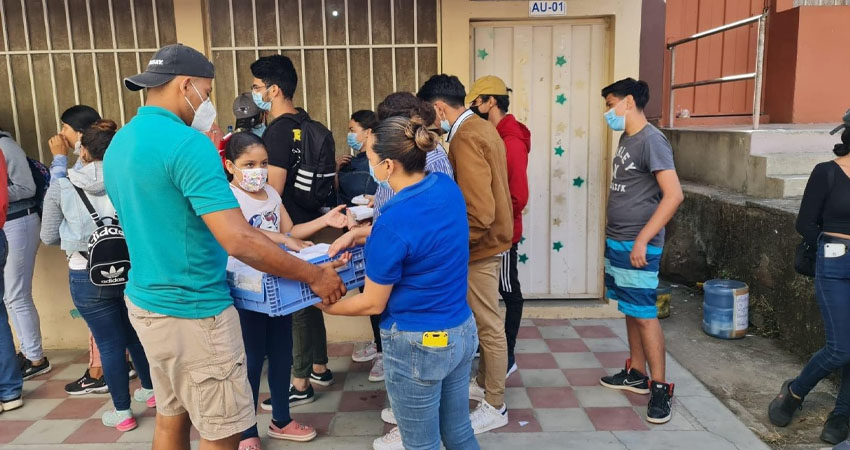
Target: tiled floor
{"type": "Point", "coordinates": [555, 402]}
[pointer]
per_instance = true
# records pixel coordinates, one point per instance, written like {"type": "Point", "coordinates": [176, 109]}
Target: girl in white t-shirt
{"type": "Point", "coordinates": [247, 167]}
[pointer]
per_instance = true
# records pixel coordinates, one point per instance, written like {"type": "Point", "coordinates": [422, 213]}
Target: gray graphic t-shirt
{"type": "Point", "coordinates": [635, 193]}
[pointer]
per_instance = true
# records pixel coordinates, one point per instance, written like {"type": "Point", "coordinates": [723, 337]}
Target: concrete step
{"type": "Point", "coordinates": [792, 163]}
{"type": "Point", "coordinates": [780, 186]}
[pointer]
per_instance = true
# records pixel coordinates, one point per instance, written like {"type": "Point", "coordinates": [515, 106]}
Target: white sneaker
{"type": "Point", "coordinates": [377, 372]}
{"type": "Point", "coordinates": [486, 418]}
{"type": "Point", "coordinates": [366, 353]}
{"type": "Point", "coordinates": [388, 416]}
{"type": "Point", "coordinates": [476, 392]}
{"type": "Point", "coordinates": [389, 441]}
{"type": "Point", "coordinates": [511, 370]}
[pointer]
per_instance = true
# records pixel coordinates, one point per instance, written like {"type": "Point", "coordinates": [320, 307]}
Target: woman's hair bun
{"type": "Point", "coordinates": [843, 148]}
{"type": "Point", "coordinates": [105, 125]}
{"type": "Point", "coordinates": [424, 139]}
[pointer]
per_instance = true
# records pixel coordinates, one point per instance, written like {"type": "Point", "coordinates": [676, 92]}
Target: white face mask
{"type": "Point", "coordinates": [77, 146]}
{"type": "Point", "coordinates": [204, 115]}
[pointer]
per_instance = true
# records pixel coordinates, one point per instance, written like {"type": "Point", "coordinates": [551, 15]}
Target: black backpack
{"type": "Point", "coordinates": [41, 177]}
{"type": "Point", "coordinates": [315, 169]}
{"type": "Point", "coordinates": [109, 259]}
{"type": "Point", "coordinates": [354, 180]}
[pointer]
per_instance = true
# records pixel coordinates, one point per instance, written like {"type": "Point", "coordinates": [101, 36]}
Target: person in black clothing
{"type": "Point", "coordinates": [273, 90]}
{"type": "Point", "coordinates": [353, 176]}
{"type": "Point", "coordinates": [824, 222]}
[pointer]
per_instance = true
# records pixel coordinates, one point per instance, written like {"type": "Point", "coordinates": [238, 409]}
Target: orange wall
{"type": "Point", "coordinates": [723, 54]}
{"type": "Point", "coordinates": [820, 93]}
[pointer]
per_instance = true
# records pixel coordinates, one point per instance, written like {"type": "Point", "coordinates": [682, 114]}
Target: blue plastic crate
{"type": "Point", "coordinates": [282, 296]}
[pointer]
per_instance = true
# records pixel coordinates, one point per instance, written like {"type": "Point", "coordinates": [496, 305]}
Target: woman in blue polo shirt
{"type": "Point", "coordinates": [416, 269]}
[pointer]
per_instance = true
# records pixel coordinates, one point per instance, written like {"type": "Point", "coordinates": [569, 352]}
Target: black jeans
{"type": "Point", "coordinates": [511, 293]}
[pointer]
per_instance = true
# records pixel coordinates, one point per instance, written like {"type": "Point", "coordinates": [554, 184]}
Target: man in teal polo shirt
{"type": "Point", "coordinates": [181, 222]}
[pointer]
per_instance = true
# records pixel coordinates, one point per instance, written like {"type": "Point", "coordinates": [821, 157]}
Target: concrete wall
{"type": "Point", "coordinates": [717, 234]}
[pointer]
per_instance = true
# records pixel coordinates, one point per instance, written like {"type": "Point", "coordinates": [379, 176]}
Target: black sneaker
{"type": "Point", "coordinates": [131, 370]}
{"type": "Point", "coordinates": [297, 397]}
{"type": "Point", "coordinates": [30, 370]}
{"type": "Point", "coordinates": [325, 378]}
{"type": "Point", "coordinates": [660, 408]}
{"type": "Point", "coordinates": [783, 407]}
{"type": "Point", "coordinates": [835, 429]}
{"type": "Point", "coordinates": [267, 403]}
{"type": "Point", "coordinates": [21, 360]}
{"type": "Point", "coordinates": [87, 385]}
{"type": "Point", "coordinates": [627, 379]}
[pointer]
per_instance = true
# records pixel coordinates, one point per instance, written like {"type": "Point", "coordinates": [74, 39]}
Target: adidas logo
{"type": "Point", "coordinates": [113, 273]}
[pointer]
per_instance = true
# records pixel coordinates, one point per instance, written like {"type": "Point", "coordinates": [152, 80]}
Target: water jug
{"type": "Point", "coordinates": [726, 309]}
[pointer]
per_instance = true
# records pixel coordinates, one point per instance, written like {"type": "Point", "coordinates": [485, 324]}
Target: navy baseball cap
{"type": "Point", "coordinates": [844, 124]}
{"type": "Point", "coordinates": [169, 62]}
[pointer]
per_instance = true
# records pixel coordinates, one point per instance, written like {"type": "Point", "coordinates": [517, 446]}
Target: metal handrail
{"type": "Point", "coordinates": [758, 75]}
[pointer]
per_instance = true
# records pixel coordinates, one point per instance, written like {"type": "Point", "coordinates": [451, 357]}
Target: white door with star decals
{"type": "Point", "coordinates": [556, 70]}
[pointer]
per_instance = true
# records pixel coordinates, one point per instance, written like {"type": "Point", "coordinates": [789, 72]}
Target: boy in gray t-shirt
{"type": "Point", "coordinates": [644, 195]}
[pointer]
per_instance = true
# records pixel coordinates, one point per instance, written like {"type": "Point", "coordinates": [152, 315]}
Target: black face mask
{"type": "Point", "coordinates": [480, 114]}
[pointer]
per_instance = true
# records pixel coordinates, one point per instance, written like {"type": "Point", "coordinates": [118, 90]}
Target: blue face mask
{"type": "Point", "coordinates": [445, 125]}
{"type": "Point", "coordinates": [351, 140]}
{"type": "Point", "coordinates": [262, 104]}
{"type": "Point", "coordinates": [383, 183]}
{"type": "Point", "coordinates": [259, 129]}
{"type": "Point", "coordinates": [617, 123]}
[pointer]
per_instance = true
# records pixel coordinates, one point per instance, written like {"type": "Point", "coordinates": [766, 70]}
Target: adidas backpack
{"type": "Point", "coordinates": [315, 172]}
{"type": "Point", "coordinates": [109, 259]}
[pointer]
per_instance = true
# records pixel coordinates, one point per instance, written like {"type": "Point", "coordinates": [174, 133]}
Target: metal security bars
{"type": "Point", "coordinates": [757, 75]}
{"type": "Point", "coordinates": [348, 53]}
{"type": "Point", "coordinates": [98, 41]}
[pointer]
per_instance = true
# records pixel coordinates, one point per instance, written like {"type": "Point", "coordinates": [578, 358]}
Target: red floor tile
{"type": "Point", "coordinates": [584, 377]}
{"type": "Point", "coordinates": [360, 366]}
{"type": "Point", "coordinates": [536, 361]}
{"type": "Point", "coordinates": [93, 431]}
{"type": "Point", "coordinates": [515, 416]}
{"type": "Point", "coordinates": [595, 331]}
{"type": "Point", "coordinates": [615, 419]}
{"type": "Point", "coordinates": [515, 380]}
{"type": "Point", "coordinates": [362, 401]}
{"type": "Point", "coordinates": [637, 399]}
{"type": "Point", "coordinates": [83, 358]}
{"type": "Point", "coordinates": [388, 427]}
{"type": "Point", "coordinates": [612, 360]}
{"type": "Point", "coordinates": [50, 389]}
{"type": "Point", "coordinates": [77, 408]}
{"type": "Point", "coordinates": [552, 397]}
{"type": "Point", "coordinates": [529, 333]}
{"type": "Point", "coordinates": [567, 345]}
{"type": "Point", "coordinates": [339, 383]}
{"type": "Point", "coordinates": [10, 429]}
{"type": "Point", "coordinates": [340, 349]}
{"type": "Point", "coordinates": [320, 421]}
{"type": "Point", "coordinates": [551, 322]}
{"type": "Point", "coordinates": [55, 370]}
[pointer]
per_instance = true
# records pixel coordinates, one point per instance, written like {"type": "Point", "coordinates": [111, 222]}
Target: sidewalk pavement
{"type": "Point", "coordinates": [555, 402]}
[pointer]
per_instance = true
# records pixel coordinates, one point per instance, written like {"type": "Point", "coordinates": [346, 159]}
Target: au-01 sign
{"type": "Point", "coordinates": [550, 8]}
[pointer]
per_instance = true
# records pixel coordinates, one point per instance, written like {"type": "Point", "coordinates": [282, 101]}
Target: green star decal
{"type": "Point", "coordinates": [559, 151]}
{"type": "Point", "coordinates": [557, 246]}
{"type": "Point", "coordinates": [577, 182]}
{"type": "Point", "coordinates": [482, 53]}
{"type": "Point", "coordinates": [561, 99]}
{"type": "Point", "coordinates": [560, 61]}
{"type": "Point", "coordinates": [522, 240]}
{"type": "Point", "coordinates": [523, 258]}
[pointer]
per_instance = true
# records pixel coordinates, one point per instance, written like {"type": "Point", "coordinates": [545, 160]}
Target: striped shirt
{"type": "Point", "coordinates": [435, 161]}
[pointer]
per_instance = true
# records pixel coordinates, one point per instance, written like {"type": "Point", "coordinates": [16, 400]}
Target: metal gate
{"type": "Point", "coordinates": [59, 53]}
{"type": "Point", "coordinates": [349, 54]}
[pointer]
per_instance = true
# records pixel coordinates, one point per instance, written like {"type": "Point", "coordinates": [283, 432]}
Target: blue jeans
{"type": "Point", "coordinates": [832, 289]}
{"type": "Point", "coordinates": [268, 336]}
{"type": "Point", "coordinates": [429, 387]}
{"type": "Point", "coordinates": [11, 382]}
{"type": "Point", "coordinates": [105, 313]}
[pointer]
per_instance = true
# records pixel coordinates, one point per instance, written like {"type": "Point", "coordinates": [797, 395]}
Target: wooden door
{"type": "Point", "coordinates": [556, 70]}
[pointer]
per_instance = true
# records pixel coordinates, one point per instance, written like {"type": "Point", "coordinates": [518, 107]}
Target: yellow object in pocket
{"type": "Point", "coordinates": [435, 339]}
